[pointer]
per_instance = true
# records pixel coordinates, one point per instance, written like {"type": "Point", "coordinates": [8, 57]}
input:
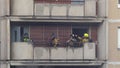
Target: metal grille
{"type": "Point", "coordinates": [60, 1]}
{"type": "Point", "coordinates": [41, 34]}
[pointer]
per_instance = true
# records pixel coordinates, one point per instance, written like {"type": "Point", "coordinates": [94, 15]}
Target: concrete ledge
{"type": "Point", "coordinates": [58, 53]}
{"type": "Point", "coordinates": [22, 50]}
{"type": "Point", "coordinates": [89, 51]}
{"type": "Point", "coordinates": [75, 53]}
{"type": "Point", "coordinates": [41, 53]}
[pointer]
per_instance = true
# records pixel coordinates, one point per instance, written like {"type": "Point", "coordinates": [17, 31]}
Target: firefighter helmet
{"type": "Point", "coordinates": [86, 35]}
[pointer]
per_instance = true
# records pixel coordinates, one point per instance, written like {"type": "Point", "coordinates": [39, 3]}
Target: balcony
{"type": "Point", "coordinates": [67, 8]}
{"type": "Point", "coordinates": [39, 50]}
{"type": "Point", "coordinates": [41, 35]}
{"type": "Point", "coordinates": [22, 50]}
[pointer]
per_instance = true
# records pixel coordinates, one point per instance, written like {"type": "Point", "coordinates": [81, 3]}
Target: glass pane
{"type": "Point", "coordinates": [118, 37]}
{"type": "Point", "coordinates": [77, 1]}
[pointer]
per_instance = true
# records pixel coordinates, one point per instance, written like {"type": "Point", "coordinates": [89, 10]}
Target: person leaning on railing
{"type": "Point", "coordinates": [54, 41]}
{"type": "Point", "coordinates": [86, 38]}
{"type": "Point", "coordinates": [78, 41]}
{"type": "Point", "coordinates": [71, 41]}
{"type": "Point", "coordinates": [25, 37]}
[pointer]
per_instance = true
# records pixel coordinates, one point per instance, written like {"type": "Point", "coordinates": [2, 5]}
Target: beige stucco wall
{"type": "Point", "coordinates": [113, 51]}
{"type": "Point", "coordinates": [113, 65]}
{"type": "Point", "coordinates": [113, 10]}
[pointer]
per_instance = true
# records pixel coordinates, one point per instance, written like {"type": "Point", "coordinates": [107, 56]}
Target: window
{"type": "Point", "coordinates": [18, 33]}
{"type": "Point", "coordinates": [118, 37]}
{"type": "Point", "coordinates": [79, 31]}
{"type": "Point", "coordinates": [42, 34]}
{"type": "Point", "coordinates": [118, 3]}
{"type": "Point", "coordinates": [77, 1]}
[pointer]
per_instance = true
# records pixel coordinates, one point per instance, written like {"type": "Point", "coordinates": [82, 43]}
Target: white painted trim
{"type": "Point", "coordinates": [8, 38]}
{"type": "Point", "coordinates": [114, 20]}
{"type": "Point", "coordinates": [107, 39]}
{"type": "Point", "coordinates": [115, 63]}
{"type": "Point", "coordinates": [8, 65]}
{"type": "Point", "coordinates": [118, 32]}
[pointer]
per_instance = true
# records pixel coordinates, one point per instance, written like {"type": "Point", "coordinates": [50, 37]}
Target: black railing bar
{"type": "Point", "coordinates": [76, 1]}
{"type": "Point", "coordinates": [60, 1]}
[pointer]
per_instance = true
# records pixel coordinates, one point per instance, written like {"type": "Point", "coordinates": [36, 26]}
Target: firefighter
{"type": "Point", "coordinates": [54, 40]}
{"type": "Point", "coordinates": [71, 41]}
{"type": "Point", "coordinates": [26, 37]}
{"type": "Point", "coordinates": [86, 38]}
{"type": "Point", "coordinates": [78, 40]}
{"type": "Point", "coordinates": [74, 40]}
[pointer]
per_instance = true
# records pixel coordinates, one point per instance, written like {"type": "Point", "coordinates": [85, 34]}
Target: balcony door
{"type": "Point", "coordinates": [18, 32]}
{"type": "Point", "coordinates": [79, 31]}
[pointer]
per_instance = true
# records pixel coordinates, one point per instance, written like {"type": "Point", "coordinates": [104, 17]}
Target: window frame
{"type": "Point", "coordinates": [118, 40]}
{"type": "Point", "coordinates": [75, 2]}
{"type": "Point", "coordinates": [17, 32]}
{"type": "Point", "coordinates": [118, 3]}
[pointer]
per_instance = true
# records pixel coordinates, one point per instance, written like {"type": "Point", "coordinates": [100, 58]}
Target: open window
{"type": "Point", "coordinates": [77, 1]}
{"type": "Point", "coordinates": [118, 38]}
{"type": "Point", "coordinates": [18, 33]}
{"type": "Point", "coordinates": [118, 3]}
{"type": "Point", "coordinates": [79, 31]}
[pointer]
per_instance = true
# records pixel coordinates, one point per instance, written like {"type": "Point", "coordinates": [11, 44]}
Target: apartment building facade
{"type": "Point", "coordinates": [113, 34]}
{"type": "Point", "coordinates": [42, 18]}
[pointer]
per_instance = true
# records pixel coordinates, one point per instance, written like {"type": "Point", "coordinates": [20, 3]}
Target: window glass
{"type": "Point", "coordinates": [18, 33]}
{"type": "Point", "coordinates": [77, 1]}
{"type": "Point", "coordinates": [118, 37]}
{"type": "Point", "coordinates": [118, 3]}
